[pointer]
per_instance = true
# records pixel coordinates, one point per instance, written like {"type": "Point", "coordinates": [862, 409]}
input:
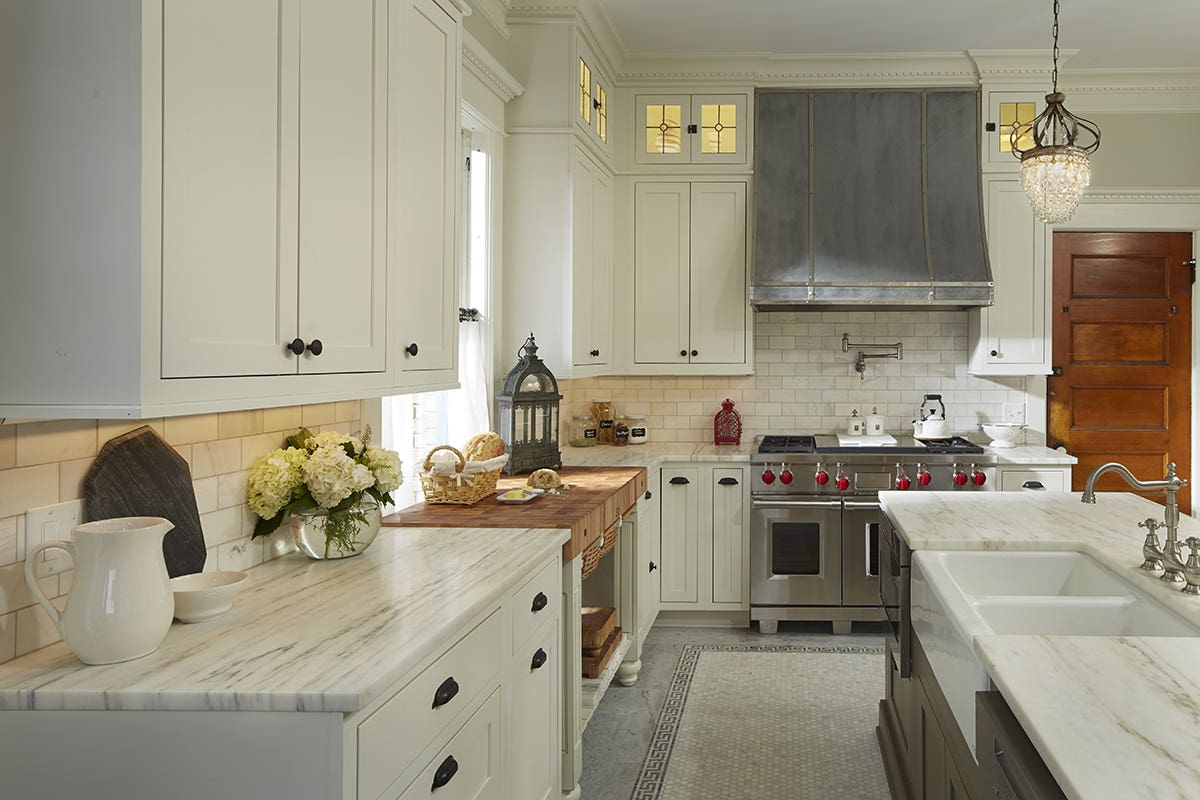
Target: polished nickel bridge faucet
{"type": "Point", "coordinates": [1169, 555]}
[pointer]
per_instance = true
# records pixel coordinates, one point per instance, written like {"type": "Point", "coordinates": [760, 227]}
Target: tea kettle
{"type": "Point", "coordinates": [932, 424]}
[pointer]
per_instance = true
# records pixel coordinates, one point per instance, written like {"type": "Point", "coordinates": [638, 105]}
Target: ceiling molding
{"type": "Point", "coordinates": [765, 69]}
{"type": "Point", "coordinates": [1105, 195]}
{"type": "Point", "coordinates": [483, 65]}
{"type": "Point", "coordinates": [495, 12]}
{"type": "Point", "coordinates": [1008, 66]}
{"type": "Point", "coordinates": [591, 17]}
{"type": "Point", "coordinates": [1131, 91]}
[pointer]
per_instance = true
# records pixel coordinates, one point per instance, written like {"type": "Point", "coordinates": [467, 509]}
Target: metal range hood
{"type": "Point", "coordinates": [868, 198]}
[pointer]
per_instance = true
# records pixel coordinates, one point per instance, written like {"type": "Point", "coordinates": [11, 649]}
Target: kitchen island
{"type": "Point", "coordinates": [1109, 716]}
{"type": "Point", "coordinates": [336, 660]}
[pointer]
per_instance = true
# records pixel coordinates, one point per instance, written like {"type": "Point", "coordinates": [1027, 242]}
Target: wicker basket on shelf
{"type": "Point", "coordinates": [599, 549]}
{"type": "Point", "coordinates": [457, 488]}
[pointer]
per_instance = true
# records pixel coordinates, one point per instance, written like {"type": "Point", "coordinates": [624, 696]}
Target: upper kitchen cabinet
{"type": "Point", "coordinates": [200, 220]}
{"type": "Point", "coordinates": [684, 307]}
{"type": "Point", "coordinates": [1003, 111]}
{"type": "Point", "coordinates": [424, 184]}
{"type": "Point", "coordinates": [1011, 337]}
{"type": "Point", "coordinates": [691, 129]}
{"type": "Point", "coordinates": [592, 95]}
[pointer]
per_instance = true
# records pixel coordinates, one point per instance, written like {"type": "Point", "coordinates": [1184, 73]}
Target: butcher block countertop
{"type": "Point", "coordinates": [598, 497]}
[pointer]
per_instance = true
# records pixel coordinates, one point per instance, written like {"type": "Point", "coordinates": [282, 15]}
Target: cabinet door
{"type": "Point", "coordinates": [1003, 111]}
{"type": "Point", "coordinates": [602, 288]}
{"type": "Point", "coordinates": [721, 136]}
{"type": "Point", "coordinates": [534, 718]}
{"type": "Point", "coordinates": [662, 245]}
{"type": "Point", "coordinates": [661, 136]}
{"type": "Point", "coordinates": [929, 779]}
{"type": "Point", "coordinates": [718, 273]}
{"type": "Point", "coordinates": [1013, 332]}
{"type": "Point", "coordinates": [591, 263]}
{"type": "Point", "coordinates": [228, 189]}
{"type": "Point", "coordinates": [423, 175]}
{"type": "Point", "coordinates": [342, 213]}
{"type": "Point", "coordinates": [680, 534]}
{"type": "Point", "coordinates": [647, 564]}
{"type": "Point", "coordinates": [730, 536]}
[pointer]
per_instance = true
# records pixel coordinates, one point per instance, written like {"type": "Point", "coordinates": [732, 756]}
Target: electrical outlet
{"type": "Point", "coordinates": [1014, 413]}
{"type": "Point", "coordinates": [46, 524]}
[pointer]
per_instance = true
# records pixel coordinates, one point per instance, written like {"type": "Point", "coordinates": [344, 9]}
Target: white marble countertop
{"type": "Point", "coordinates": [303, 635]}
{"type": "Point", "coordinates": [1111, 716]}
{"type": "Point", "coordinates": [653, 454]}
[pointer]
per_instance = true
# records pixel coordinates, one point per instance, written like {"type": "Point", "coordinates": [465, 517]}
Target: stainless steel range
{"type": "Point", "coordinates": [814, 536]}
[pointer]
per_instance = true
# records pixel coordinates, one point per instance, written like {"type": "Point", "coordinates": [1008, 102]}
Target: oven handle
{"type": "Point", "coordinates": [853, 504]}
{"type": "Point", "coordinates": [796, 503]}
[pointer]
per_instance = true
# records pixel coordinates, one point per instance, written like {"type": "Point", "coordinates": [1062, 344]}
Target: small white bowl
{"type": "Point", "coordinates": [1003, 433]}
{"type": "Point", "coordinates": [203, 596]}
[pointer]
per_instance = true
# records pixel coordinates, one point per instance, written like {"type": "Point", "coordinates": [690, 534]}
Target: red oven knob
{"type": "Point", "coordinates": [979, 478]}
{"type": "Point", "coordinates": [843, 482]}
{"type": "Point", "coordinates": [768, 476]}
{"type": "Point", "coordinates": [903, 483]}
{"type": "Point", "coordinates": [960, 477]}
{"type": "Point", "coordinates": [924, 478]}
{"type": "Point", "coordinates": [786, 476]}
{"type": "Point", "coordinates": [822, 477]}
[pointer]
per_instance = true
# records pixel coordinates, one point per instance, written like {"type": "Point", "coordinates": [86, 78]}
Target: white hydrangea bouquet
{"type": "Point", "coordinates": [331, 471]}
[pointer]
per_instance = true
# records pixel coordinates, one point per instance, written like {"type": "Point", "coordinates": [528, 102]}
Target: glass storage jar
{"type": "Point", "coordinates": [638, 433]}
{"type": "Point", "coordinates": [582, 432]}
{"type": "Point", "coordinates": [602, 413]}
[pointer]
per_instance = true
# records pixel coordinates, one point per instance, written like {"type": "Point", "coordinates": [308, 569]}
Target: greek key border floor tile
{"type": "Point", "coordinates": [653, 775]}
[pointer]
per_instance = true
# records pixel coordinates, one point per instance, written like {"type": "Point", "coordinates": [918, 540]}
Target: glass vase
{"type": "Point", "coordinates": [309, 530]}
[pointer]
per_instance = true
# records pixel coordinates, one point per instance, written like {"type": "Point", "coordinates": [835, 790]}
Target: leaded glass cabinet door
{"type": "Point", "coordinates": [1003, 111]}
{"type": "Point", "coordinates": [661, 136]}
{"type": "Point", "coordinates": [721, 134]}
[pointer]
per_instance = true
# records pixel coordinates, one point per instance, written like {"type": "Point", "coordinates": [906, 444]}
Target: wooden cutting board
{"type": "Point", "coordinates": [138, 474]}
{"type": "Point", "coordinates": [596, 624]}
{"type": "Point", "coordinates": [593, 666]}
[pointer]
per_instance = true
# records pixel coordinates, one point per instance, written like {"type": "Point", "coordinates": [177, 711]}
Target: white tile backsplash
{"type": "Point", "coordinates": [44, 462]}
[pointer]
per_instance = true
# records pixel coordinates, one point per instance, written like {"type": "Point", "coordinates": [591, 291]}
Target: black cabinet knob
{"type": "Point", "coordinates": [995, 353]}
{"type": "Point", "coordinates": [539, 659]}
{"type": "Point", "coordinates": [445, 693]}
{"type": "Point", "coordinates": [648, 494]}
{"type": "Point", "coordinates": [411, 349]}
{"type": "Point", "coordinates": [683, 353]}
{"type": "Point", "coordinates": [653, 566]}
{"type": "Point", "coordinates": [296, 346]}
{"type": "Point", "coordinates": [447, 770]}
{"type": "Point", "coordinates": [595, 353]}
{"type": "Point", "coordinates": [695, 353]}
{"type": "Point", "coordinates": [539, 602]}
{"type": "Point", "coordinates": [315, 347]}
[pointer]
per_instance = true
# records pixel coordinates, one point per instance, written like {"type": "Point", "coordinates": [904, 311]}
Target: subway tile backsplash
{"type": "Point", "coordinates": [44, 462]}
{"type": "Point", "coordinates": [805, 383]}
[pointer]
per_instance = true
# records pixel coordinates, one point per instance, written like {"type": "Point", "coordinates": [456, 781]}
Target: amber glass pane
{"type": "Point", "coordinates": [585, 91]}
{"type": "Point", "coordinates": [1019, 116]}
{"type": "Point", "coordinates": [718, 128]}
{"type": "Point", "coordinates": [663, 128]}
{"type": "Point", "coordinates": [602, 113]}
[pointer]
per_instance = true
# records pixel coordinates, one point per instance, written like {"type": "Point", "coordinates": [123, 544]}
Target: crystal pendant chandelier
{"type": "Point", "coordinates": [1056, 170]}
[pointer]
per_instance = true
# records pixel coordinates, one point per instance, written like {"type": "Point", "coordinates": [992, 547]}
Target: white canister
{"type": "Point", "coordinates": [874, 423]}
{"type": "Point", "coordinates": [638, 432]}
{"type": "Point", "coordinates": [854, 424]}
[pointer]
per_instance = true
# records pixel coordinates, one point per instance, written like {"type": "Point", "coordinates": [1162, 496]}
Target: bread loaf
{"type": "Point", "coordinates": [545, 479]}
{"type": "Point", "coordinates": [483, 446]}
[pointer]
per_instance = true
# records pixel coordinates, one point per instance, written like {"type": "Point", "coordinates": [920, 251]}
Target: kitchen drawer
{"type": "Point", "coordinates": [401, 728]}
{"type": "Point", "coordinates": [1014, 480]}
{"type": "Point", "coordinates": [472, 759]}
{"type": "Point", "coordinates": [536, 601]}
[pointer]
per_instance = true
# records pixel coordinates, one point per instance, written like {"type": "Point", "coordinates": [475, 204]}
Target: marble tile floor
{"type": "Point", "coordinates": [618, 734]}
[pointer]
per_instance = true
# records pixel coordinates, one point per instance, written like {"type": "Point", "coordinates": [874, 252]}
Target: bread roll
{"type": "Point", "coordinates": [484, 446]}
{"type": "Point", "coordinates": [545, 479]}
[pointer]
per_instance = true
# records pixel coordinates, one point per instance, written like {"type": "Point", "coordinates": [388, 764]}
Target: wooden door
{"type": "Point", "coordinates": [1122, 337]}
{"type": "Point", "coordinates": [228, 191]}
{"type": "Point", "coordinates": [661, 265]}
{"type": "Point", "coordinates": [717, 287]}
{"type": "Point", "coordinates": [342, 267]}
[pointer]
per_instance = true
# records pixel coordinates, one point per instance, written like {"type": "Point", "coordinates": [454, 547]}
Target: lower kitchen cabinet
{"type": "Point", "coordinates": [534, 716]}
{"type": "Point", "coordinates": [705, 537]}
{"type": "Point", "coordinates": [1034, 477]}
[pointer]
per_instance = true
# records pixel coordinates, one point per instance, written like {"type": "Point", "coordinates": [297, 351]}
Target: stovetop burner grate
{"type": "Point", "coordinates": [788, 444]}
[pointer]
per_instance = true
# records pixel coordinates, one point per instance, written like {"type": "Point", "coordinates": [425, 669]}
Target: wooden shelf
{"type": "Point", "coordinates": [594, 688]}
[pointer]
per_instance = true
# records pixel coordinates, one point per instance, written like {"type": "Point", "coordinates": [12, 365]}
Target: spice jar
{"type": "Point", "coordinates": [620, 433]}
{"type": "Point", "coordinates": [638, 434]}
{"type": "Point", "coordinates": [582, 432]}
{"type": "Point", "coordinates": [602, 413]}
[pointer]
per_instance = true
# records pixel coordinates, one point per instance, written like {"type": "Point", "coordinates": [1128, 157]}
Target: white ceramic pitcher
{"type": "Point", "coordinates": [121, 604]}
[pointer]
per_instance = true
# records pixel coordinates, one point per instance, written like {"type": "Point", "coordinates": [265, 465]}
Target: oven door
{"type": "Point", "coordinates": [860, 553]}
{"type": "Point", "coordinates": [796, 553]}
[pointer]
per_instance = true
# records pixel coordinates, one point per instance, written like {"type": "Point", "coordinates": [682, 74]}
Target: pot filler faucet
{"type": "Point", "coordinates": [1169, 556]}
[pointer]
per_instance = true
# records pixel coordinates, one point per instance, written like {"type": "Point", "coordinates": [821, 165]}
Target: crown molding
{"type": "Point", "coordinates": [495, 12]}
{"type": "Point", "coordinates": [1016, 66]}
{"type": "Point", "coordinates": [484, 66]}
{"type": "Point", "coordinates": [1142, 195]}
{"type": "Point", "coordinates": [839, 69]}
{"type": "Point", "coordinates": [1131, 91]}
{"type": "Point", "coordinates": [591, 17]}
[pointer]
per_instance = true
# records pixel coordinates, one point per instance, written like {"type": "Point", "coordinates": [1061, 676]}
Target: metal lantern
{"type": "Point", "coordinates": [527, 413]}
{"type": "Point", "coordinates": [727, 425]}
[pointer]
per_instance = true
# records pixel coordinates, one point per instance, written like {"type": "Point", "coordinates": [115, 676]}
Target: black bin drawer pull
{"type": "Point", "coordinates": [445, 693]}
{"type": "Point", "coordinates": [539, 659]}
{"type": "Point", "coordinates": [679, 480]}
{"type": "Point", "coordinates": [539, 602]}
{"type": "Point", "coordinates": [445, 772]}
{"type": "Point", "coordinates": [728, 482]}
{"type": "Point", "coordinates": [1032, 485]}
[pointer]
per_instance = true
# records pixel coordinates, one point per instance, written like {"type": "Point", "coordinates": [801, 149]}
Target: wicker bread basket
{"type": "Point", "coordinates": [457, 488]}
{"type": "Point", "coordinates": [599, 549]}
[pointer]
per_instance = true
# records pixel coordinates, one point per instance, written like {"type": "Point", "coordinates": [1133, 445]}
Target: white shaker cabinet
{"type": "Point", "coordinates": [680, 535]}
{"type": "Point", "coordinates": [1012, 337]}
{"type": "Point", "coordinates": [689, 306]}
{"type": "Point", "coordinates": [591, 263]}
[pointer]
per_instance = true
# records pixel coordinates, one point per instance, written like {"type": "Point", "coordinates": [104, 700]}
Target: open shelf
{"type": "Point", "coordinates": [594, 688]}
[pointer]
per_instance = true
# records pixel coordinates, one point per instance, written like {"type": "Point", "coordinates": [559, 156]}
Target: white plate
{"type": "Point", "coordinates": [533, 495]}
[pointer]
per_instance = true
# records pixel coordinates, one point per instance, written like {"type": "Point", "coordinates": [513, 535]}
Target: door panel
{"type": "Point", "coordinates": [729, 536]}
{"type": "Point", "coordinates": [796, 555]}
{"type": "Point", "coordinates": [661, 263]}
{"type": "Point", "coordinates": [680, 535]}
{"type": "Point", "coordinates": [1122, 336]}
{"type": "Point", "coordinates": [342, 213]}
{"type": "Point", "coordinates": [602, 268]}
{"type": "Point", "coordinates": [583, 248]}
{"type": "Point", "coordinates": [718, 273]}
{"type": "Point", "coordinates": [228, 293]}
